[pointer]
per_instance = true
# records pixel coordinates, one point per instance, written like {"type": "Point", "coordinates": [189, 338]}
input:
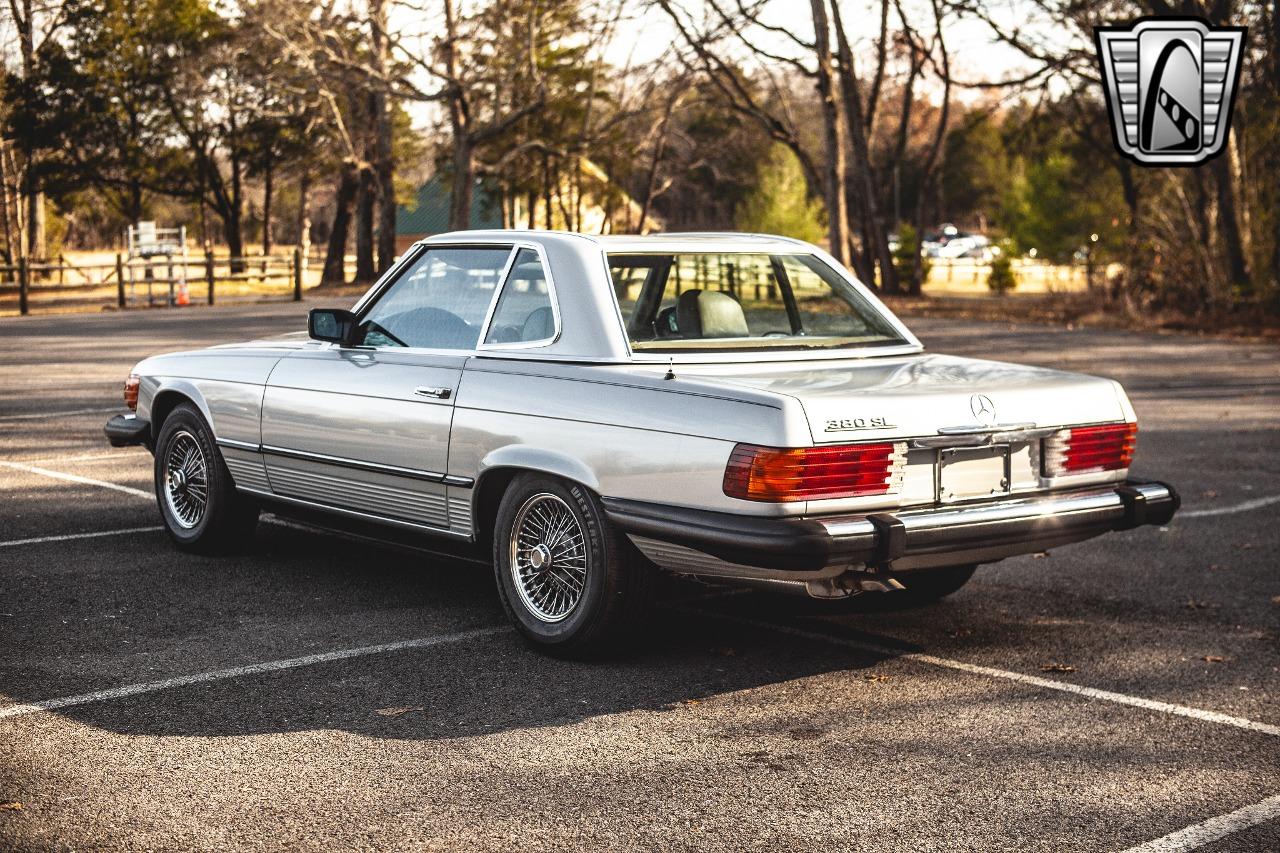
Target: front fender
{"type": "Point", "coordinates": [153, 388]}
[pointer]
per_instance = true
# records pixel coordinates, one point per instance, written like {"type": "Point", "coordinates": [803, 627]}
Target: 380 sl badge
{"type": "Point", "coordinates": [852, 424]}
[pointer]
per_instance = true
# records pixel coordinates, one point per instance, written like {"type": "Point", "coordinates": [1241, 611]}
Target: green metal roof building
{"type": "Point", "coordinates": [429, 213]}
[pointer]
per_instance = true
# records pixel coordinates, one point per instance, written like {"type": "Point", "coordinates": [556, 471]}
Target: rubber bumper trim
{"type": "Point", "coordinates": [809, 544]}
{"type": "Point", "coordinates": [127, 431]}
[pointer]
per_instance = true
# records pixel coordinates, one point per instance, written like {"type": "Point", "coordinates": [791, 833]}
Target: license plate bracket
{"type": "Point", "coordinates": [967, 473]}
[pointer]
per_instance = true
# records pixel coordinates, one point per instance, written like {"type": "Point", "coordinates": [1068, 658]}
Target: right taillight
{"type": "Point", "coordinates": [1088, 449]}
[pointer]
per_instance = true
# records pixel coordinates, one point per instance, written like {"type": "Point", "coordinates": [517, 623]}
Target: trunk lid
{"type": "Point", "coordinates": [919, 395]}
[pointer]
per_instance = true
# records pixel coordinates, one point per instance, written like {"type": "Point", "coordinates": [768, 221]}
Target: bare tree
{"type": "Point", "coordinates": [34, 23]}
{"type": "Point", "coordinates": [833, 120]}
{"type": "Point", "coordinates": [873, 228]}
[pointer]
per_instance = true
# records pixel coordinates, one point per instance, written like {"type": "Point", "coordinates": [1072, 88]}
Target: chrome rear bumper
{"type": "Point", "coordinates": [725, 545]}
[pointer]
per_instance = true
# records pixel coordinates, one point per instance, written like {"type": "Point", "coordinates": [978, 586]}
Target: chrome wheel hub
{"type": "Point", "coordinates": [540, 557]}
{"type": "Point", "coordinates": [186, 480]}
{"type": "Point", "coordinates": [548, 557]}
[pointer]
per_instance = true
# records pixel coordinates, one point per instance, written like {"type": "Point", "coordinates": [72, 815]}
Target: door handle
{"type": "Point", "coordinates": [437, 393]}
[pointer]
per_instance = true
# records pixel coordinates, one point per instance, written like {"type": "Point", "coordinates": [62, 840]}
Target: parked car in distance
{"type": "Point", "coordinates": [591, 410]}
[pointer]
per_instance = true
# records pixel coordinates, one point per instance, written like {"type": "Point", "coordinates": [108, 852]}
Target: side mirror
{"type": "Point", "coordinates": [335, 325]}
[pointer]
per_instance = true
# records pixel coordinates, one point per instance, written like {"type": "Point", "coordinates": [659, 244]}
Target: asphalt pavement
{"type": "Point", "coordinates": [321, 692]}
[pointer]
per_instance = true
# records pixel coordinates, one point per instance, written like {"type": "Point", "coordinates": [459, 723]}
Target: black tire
{"type": "Point", "coordinates": [923, 586]}
{"type": "Point", "coordinates": [618, 587]}
{"type": "Point", "coordinates": [227, 520]}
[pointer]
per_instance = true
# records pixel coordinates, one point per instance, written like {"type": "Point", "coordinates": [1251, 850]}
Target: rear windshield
{"type": "Point", "coordinates": [700, 301]}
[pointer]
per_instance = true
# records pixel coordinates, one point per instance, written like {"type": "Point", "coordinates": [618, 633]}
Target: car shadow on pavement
{"type": "Point", "coordinates": [311, 581]}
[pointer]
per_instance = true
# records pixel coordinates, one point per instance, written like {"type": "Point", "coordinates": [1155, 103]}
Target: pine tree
{"type": "Point", "coordinates": [780, 204]}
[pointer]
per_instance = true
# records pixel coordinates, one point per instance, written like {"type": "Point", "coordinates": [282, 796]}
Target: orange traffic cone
{"type": "Point", "coordinates": [184, 297]}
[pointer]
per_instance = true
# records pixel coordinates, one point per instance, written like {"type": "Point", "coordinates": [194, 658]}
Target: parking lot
{"type": "Point", "coordinates": [316, 691]}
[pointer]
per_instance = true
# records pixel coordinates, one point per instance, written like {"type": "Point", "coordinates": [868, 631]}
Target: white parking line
{"type": "Point", "coordinates": [1256, 503]}
{"type": "Point", "coordinates": [1008, 675]}
{"type": "Point", "coordinates": [69, 536]}
{"type": "Point", "coordinates": [73, 478]}
{"type": "Point", "coordinates": [1213, 829]}
{"type": "Point", "coordinates": [115, 453]}
{"type": "Point", "coordinates": [31, 416]}
{"type": "Point", "coordinates": [250, 669]}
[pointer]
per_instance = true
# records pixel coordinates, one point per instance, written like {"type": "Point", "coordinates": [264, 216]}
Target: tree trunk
{"type": "Point", "coordinates": [1133, 245]}
{"type": "Point", "coordinates": [659, 150]}
{"type": "Point", "coordinates": [861, 258]}
{"type": "Point", "coordinates": [233, 216]}
{"type": "Point", "coordinates": [464, 179]}
{"type": "Point", "coordinates": [34, 247]}
{"type": "Point", "coordinates": [1229, 225]}
{"type": "Point", "coordinates": [546, 192]}
{"type": "Point", "coordinates": [833, 139]}
{"type": "Point", "coordinates": [383, 150]}
{"type": "Point", "coordinates": [1273, 55]}
{"type": "Point", "coordinates": [927, 171]}
{"type": "Point", "coordinates": [303, 221]}
{"type": "Point", "coordinates": [135, 200]}
{"type": "Point", "coordinates": [233, 233]}
{"type": "Point", "coordinates": [862, 158]}
{"type": "Point", "coordinates": [365, 198]}
{"type": "Point", "coordinates": [335, 255]}
{"type": "Point", "coordinates": [268, 182]}
{"type": "Point", "coordinates": [464, 156]}
{"type": "Point", "coordinates": [9, 254]}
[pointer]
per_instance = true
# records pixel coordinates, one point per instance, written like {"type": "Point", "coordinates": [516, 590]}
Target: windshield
{"type": "Point", "coordinates": [699, 301]}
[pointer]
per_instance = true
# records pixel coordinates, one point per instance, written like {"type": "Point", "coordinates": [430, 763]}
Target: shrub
{"type": "Point", "coordinates": [1002, 278]}
{"type": "Point", "coordinates": [904, 255]}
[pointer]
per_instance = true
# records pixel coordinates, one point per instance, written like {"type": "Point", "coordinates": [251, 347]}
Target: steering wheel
{"type": "Point", "coordinates": [372, 326]}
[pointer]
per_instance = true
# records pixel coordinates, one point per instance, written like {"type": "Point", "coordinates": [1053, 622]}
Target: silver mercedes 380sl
{"type": "Point", "coordinates": [593, 409]}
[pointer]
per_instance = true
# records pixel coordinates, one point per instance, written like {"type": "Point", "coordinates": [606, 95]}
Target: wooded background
{"type": "Point", "coordinates": [269, 122]}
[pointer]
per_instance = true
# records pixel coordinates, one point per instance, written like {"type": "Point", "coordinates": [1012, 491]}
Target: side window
{"type": "Point", "coordinates": [440, 302]}
{"type": "Point", "coordinates": [524, 314]}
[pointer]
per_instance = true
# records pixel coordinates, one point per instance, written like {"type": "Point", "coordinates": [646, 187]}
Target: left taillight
{"type": "Point", "coordinates": [783, 474]}
{"type": "Point", "coordinates": [1090, 449]}
{"type": "Point", "coordinates": [131, 392]}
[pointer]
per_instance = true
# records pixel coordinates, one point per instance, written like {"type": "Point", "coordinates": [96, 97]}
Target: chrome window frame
{"type": "Point", "coordinates": [540, 250]}
{"type": "Point", "coordinates": [379, 289]}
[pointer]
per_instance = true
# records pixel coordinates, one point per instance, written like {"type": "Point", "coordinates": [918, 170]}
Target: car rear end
{"type": "Point", "coordinates": [894, 461]}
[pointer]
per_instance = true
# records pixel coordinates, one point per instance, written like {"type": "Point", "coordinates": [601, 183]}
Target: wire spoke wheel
{"type": "Point", "coordinates": [186, 480]}
{"type": "Point", "coordinates": [548, 557]}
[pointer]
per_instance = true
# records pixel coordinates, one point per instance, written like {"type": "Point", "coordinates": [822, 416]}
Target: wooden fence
{"type": "Point", "coordinates": [157, 281]}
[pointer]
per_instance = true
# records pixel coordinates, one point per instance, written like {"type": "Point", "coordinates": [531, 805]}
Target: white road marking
{"type": "Point", "coordinates": [1256, 503]}
{"type": "Point", "coordinates": [1213, 829]}
{"type": "Point", "coordinates": [73, 478]}
{"type": "Point", "coordinates": [37, 415]}
{"type": "Point", "coordinates": [1008, 675]}
{"type": "Point", "coordinates": [69, 536]}
{"type": "Point", "coordinates": [117, 453]}
{"type": "Point", "coordinates": [250, 669]}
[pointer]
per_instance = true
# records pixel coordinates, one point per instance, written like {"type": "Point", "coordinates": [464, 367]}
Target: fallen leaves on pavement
{"type": "Point", "coordinates": [1213, 659]}
{"type": "Point", "coordinates": [1057, 667]}
{"type": "Point", "coordinates": [11, 807]}
{"type": "Point", "coordinates": [396, 712]}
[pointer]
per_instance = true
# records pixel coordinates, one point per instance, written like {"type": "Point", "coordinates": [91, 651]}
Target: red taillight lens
{"type": "Point", "coordinates": [131, 392]}
{"type": "Point", "coordinates": [814, 473]}
{"type": "Point", "coordinates": [1082, 450]}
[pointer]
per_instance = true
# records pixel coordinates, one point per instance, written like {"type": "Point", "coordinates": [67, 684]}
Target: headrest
{"type": "Point", "coordinates": [710, 314]}
{"type": "Point", "coordinates": [539, 325]}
